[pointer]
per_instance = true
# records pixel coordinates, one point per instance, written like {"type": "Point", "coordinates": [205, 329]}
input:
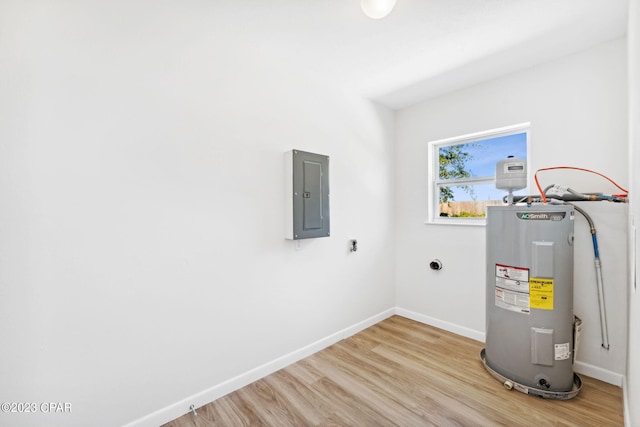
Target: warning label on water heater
{"type": "Point", "coordinates": [541, 293]}
{"type": "Point", "coordinates": [562, 351]}
{"type": "Point", "coordinates": [512, 288]}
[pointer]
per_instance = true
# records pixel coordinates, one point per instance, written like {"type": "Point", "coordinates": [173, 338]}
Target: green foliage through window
{"type": "Point", "coordinates": [453, 165]}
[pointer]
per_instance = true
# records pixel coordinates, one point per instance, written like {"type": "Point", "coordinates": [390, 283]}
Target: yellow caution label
{"type": "Point", "coordinates": [541, 293]}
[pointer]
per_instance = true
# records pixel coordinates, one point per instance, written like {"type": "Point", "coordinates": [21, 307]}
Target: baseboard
{"type": "Point", "coordinates": [598, 373]}
{"type": "Point", "coordinates": [180, 408]}
{"type": "Point", "coordinates": [447, 326]}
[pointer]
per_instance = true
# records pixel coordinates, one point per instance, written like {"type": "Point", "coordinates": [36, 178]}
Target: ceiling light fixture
{"type": "Point", "coordinates": [376, 9]}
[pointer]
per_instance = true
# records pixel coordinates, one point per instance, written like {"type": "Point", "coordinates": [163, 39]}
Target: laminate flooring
{"type": "Point", "coordinates": [401, 373]}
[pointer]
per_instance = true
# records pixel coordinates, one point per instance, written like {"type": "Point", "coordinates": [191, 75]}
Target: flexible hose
{"type": "Point", "coordinates": [599, 282]}
{"type": "Point", "coordinates": [544, 197]}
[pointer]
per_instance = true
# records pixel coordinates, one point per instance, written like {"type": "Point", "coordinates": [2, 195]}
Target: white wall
{"type": "Point", "coordinates": [577, 109]}
{"type": "Point", "coordinates": [632, 386]}
{"type": "Point", "coordinates": [142, 250]}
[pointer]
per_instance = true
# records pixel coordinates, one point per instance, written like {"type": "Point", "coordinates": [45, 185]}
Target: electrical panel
{"type": "Point", "coordinates": [307, 195]}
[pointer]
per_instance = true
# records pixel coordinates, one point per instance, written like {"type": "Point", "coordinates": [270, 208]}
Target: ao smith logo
{"type": "Point", "coordinates": [541, 216]}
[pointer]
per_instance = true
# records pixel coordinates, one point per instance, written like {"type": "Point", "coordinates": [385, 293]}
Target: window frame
{"type": "Point", "coordinates": [435, 183]}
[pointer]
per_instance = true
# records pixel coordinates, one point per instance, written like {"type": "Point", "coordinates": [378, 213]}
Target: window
{"type": "Point", "coordinates": [462, 173]}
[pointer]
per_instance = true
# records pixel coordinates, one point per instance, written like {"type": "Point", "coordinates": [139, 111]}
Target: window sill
{"type": "Point", "coordinates": [480, 222]}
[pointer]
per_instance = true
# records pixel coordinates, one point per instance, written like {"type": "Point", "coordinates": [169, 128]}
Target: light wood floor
{"type": "Point", "coordinates": [401, 373]}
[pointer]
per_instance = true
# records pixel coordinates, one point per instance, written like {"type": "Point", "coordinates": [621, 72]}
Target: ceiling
{"type": "Point", "coordinates": [425, 47]}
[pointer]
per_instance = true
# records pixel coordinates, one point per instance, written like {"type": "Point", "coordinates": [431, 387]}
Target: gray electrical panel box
{"type": "Point", "coordinates": [307, 195]}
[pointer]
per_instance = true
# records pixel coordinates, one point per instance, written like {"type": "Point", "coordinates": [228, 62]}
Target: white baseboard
{"type": "Point", "coordinates": [598, 373]}
{"type": "Point", "coordinates": [447, 326]}
{"type": "Point", "coordinates": [180, 408]}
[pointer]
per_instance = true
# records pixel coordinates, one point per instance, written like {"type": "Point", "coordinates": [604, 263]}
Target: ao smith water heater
{"type": "Point", "coordinates": [529, 292]}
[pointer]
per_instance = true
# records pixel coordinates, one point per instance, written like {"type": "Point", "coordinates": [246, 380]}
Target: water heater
{"type": "Point", "coordinates": [529, 299]}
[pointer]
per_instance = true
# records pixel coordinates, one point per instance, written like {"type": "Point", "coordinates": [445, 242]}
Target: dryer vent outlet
{"type": "Point", "coordinates": [436, 264]}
